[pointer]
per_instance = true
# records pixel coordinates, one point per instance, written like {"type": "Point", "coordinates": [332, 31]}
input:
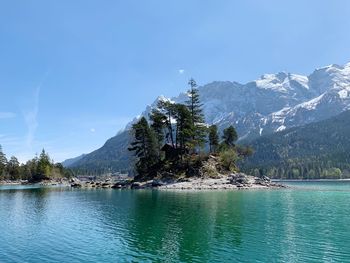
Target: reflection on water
{"type": "Point", "coordinates": [65, 225]}
{"type": "Point", "coordinates": [182, 226]}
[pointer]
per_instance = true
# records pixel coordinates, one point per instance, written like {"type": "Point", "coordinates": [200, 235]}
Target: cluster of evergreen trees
{"type": "Point", "coordinates": [315, 167]}
{"type": "Point", "coordinates": [34, 170]}
{"type": "Point", "coordinates": [182, 128]}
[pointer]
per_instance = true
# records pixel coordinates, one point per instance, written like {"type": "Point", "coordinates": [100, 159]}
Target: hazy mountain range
{"type": "Point", "coordinates": [270, 104]}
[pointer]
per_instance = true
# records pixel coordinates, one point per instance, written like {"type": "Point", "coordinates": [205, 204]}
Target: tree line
{"type": "Point", "coordinates": [35, 170]}
{"type": "Point", "coordinates": [317, 150]}
{"type": "Point", "coordinates": [315, 167]}
{"type": "Point", "coordinates": [176, 136]}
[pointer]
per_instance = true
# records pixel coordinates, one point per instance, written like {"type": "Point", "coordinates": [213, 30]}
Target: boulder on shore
{"type": "Point", "coordinates": [137, 185]}
{"type": "Point", "coordinates": [76, 185]}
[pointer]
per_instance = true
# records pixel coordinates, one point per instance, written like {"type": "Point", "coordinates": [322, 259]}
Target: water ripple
{"type": "Point", "coordinates": [63, 225]}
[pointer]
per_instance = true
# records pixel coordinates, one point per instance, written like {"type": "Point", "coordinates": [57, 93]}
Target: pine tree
{"type": "Point", "coordinates": [3, 162]}
{"type": "Point", "coordinates": [43, 170]}
{"type": "Point", "coordinates": [13, 168]}
{"type": "Point", "coordinates": [145, 147]}
{"type": "Point", "coordinates": [168, 109]}
{"type": "Point", "coordinates": [195, 107]}
{"type": "Point", "coordinates": [230, 136]}
{"type": "Point", "coordinates": [184, 128]}
{"type": "Point", "coordinates": [194, 104]}
{"type": "Point", "coordinates": [213, 138]}
{"type": "Point", "coordinates": [159, 124]}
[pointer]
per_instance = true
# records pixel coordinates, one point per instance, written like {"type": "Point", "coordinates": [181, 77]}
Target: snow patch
{"type": "Point", "coordinates": [302, 80]}
{"type": "Point", "coordinates": [279, 116]}
{"type": "Point", "coordinates": [281, 128]}
{"type": "Point", "coordinates": [164, 99]}
{"type": "Point", "coordinates": [281, 81]}
{"type": "Point", "coordinates": [343, 94]}
{"type": "Point", "coordinates": [311, 104]}
{"type": "Point", "coordinates": [270, 81]}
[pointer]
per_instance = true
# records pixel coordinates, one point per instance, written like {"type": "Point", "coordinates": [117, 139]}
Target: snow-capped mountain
{"type": "Point", "coordinates": [272, 103]}
{"type": "Point", "coordinates": [330, 87]}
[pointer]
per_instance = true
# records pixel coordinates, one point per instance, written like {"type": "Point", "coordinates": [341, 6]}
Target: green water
{"type": "Point", "coordinates": [309, 223]}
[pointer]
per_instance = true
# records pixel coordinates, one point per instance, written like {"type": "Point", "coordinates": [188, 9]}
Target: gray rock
{"type": "Point", "coordinates": [136, 185]}
{"type": "Point", "coordinates": [117, 186]}
{"type": "Point", "coordinates": [157, 183]}
{"type": "Point", "coordinates": [239, 179]}
{"type": "Point", "coordinates": [75, 185]}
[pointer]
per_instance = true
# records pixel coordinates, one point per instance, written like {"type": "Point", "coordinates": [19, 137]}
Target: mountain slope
{"type": "Point", "coordinates": [272, 103]}
{"type": "Point", "coordinates": [112, 156]}
{"type": "Point", "coordinates": [69, 162]}
{"type": "Point", "coordinates": [311, 151]}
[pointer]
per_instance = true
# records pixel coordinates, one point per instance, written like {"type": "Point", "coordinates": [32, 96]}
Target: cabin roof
{"type": "Point", "coordinates": [169, 146]}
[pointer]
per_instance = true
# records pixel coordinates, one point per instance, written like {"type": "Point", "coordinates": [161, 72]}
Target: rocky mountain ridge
{"type": "Point", "coordinates": [272, 103]}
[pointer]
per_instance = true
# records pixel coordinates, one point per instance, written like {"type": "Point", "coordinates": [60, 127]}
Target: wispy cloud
{"type": "Point", "coordinates": [181, 71]}
{"type": "Point", "coordinates": [31, 115]}
{"type": "Point", "coordinates": [7, 115]}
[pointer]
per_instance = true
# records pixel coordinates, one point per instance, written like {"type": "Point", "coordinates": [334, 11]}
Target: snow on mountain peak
{"type": "Point", "coordinates": [274, 101]}
{"type": "Point", "coordinates": [347, 65]}
{"type": "Point", "coordinates": [335, 66]}
{"type": "Point", "coordinates": [272, 81]}
{"type": "Point", "coordinates": [163, 99]}
{"type": "Point", "coordinates": [282, 81]}
{"type": "Point", "coordinates": [330, 68]}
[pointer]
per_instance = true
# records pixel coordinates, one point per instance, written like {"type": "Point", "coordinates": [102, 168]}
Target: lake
{"type": "Point", "coordinates": [307, 223]}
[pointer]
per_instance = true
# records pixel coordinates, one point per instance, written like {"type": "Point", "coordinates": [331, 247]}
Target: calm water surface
{"type": "Point", "coordinates": [309, 223]}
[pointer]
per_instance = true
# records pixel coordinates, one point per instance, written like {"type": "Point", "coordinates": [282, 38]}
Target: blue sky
{"type": "Point", "coordinates": [74, 72]}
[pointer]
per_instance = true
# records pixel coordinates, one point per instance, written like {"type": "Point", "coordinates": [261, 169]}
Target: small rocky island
{"type": "Point", "coordinates": [210, 177]}
{"type": "Point", "coordinates": [174, 148]}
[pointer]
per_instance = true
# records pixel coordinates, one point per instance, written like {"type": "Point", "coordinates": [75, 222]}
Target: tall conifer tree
{"type": "Point", "coordinates": [230, 136]}
{"type": "Point", "coordinates": [3, 162]}
{"type": "Point", "coordinates": [144, 146]}
{"type": "Point", "coordinates": [198, 123]}
{"type": "Point", "coordinates": [184, 128]}
{"type": "Point", "coordinates": [159, 125]}
{"type": "Point", "coordinates": [213, 138]}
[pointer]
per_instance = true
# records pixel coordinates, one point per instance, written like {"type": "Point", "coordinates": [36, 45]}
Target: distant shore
{"type": "Point", "coordinates": [64, 182]}
{"type": "Point", "coordinates": [309, 180]}
{"type": "Point", "coordinates": [11, 183]}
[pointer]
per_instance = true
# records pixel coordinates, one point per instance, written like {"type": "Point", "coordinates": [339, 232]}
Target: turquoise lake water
{"type": "Point", "coordinates": [307, 223]}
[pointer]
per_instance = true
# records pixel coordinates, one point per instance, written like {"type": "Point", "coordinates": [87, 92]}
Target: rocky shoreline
{"type": "Point", "coordinates": [209, 176]}
{"type": "Point", "coordinates": [234, 181]}
{"type": "Point", "coordinates": [231, 182]}
{"type": "Point", "coordinates": [52, 182]}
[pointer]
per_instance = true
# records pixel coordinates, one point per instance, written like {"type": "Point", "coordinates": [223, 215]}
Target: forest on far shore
{"type": "Point", "coordinates": [35, 170]}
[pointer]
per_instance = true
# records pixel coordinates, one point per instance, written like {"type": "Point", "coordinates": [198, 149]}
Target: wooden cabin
{"type": "Point", "coordinates": [171, 152]}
